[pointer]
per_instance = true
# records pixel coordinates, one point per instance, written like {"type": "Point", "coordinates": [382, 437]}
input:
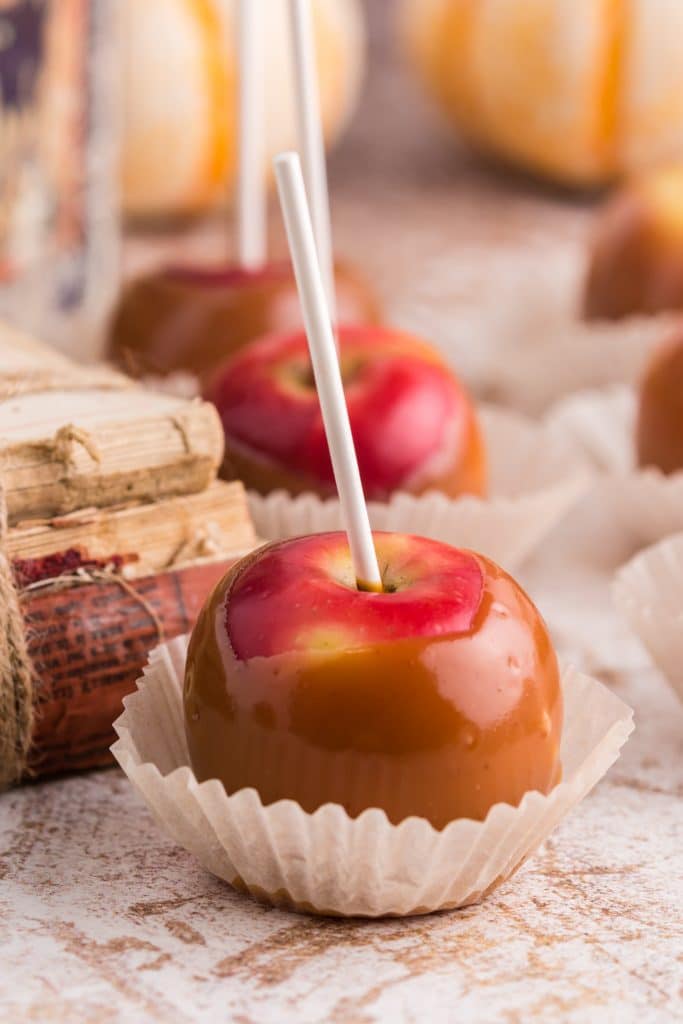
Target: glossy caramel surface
{"type": "Point", "coordinates": [438, 727]}
{"type": "Point", "coordinates": [414, 425]}
{"type": "Point", "coordinates": [465, 475]}
{"type": "Point", "coordinates": [636, 255]}
{"type": "Point", "coordinates": [180, 319]}
{"type": "Point", "coordinates": [659, 431]}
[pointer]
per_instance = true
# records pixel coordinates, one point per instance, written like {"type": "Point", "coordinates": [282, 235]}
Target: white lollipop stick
{"type": "Point", "coordinates": [328, 380]}
{"type": "Point", "coordinates": [311, 140]}
{"type": "Point", "coordinates": [251, 185]}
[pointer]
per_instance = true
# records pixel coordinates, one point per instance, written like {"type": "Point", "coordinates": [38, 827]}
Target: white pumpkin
{"type": "Point", "coordinates": [180, 83]}
{"type": "Point", "coordinates": [579, 91]}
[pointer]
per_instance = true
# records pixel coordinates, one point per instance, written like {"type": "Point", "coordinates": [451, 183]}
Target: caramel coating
{"type": "Point", "coordinates": [439, 728]}
{"type": "Point", "coordinates": [414, 423]}
{"type": "Point", "coordinates": [468, 476]}
{"type": "Point", "coordinates": [636, 256]}
{"type": "Point", "coordinates": [659, 431]}
{"type": "Point", "coordinates": [168, 322]}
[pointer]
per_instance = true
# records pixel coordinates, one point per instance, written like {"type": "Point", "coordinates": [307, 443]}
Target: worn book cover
{"type": "Point", "coordinates": [74, 436]}
{"type": "Point", "coordinates": [92, 593]}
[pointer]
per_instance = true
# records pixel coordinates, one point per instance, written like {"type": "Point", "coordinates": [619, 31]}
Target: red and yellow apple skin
{"type": "Point", "coordinates": [188, 319]}
{"type": "Point", "coordinates": [636, 255]}
{"type": "Point", "coordinates": [413, 423]}
{"type": "Point", "coordinates": [438, 697]}
{"type": "Point", "coordinates": [659, 429]}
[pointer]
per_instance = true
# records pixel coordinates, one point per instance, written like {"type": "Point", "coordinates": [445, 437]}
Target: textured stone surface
{"type": "Point", "coordinates": [104, 920]}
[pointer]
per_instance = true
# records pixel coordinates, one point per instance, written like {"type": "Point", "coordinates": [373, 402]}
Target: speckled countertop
{"type": "Point", "coordinates": [104, 920]}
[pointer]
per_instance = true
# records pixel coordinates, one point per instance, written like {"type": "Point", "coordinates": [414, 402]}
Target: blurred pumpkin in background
{"type": "Point", "coordinates": [579, 91]}
{"type": "Point", "coordinates": [180, 84]}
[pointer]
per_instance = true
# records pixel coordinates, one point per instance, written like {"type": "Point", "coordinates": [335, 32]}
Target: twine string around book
{"type": "Point", "coordinates": [17, 682]}
{"type": "Point", "coordinates": [16, 673]}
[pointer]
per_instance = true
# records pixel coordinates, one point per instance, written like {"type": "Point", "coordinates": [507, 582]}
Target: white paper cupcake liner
{"type": "Point", "coordinates": [540, 365]}
{"type": "Point", "coordinates": [599, 428]}
{"type": "Point", "coordinates": [327, 862]}
{"type": "Point", "coordinates": [535, 478]}
{"type": "Point", "coordinates": [622, 511]}
{"type": "Point", "coordinates": [648, 592]}
{"type": "Point", "coordinates": [527, 346]}
{"type": "Point", "coordinates": [570, 574]}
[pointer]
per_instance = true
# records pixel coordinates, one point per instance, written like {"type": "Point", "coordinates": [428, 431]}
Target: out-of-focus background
{"type": "Point", "coordinates": [118, 124]}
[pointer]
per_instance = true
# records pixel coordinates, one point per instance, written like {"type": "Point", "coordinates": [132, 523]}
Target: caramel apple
{"type": "Point", "coordinates": [659, 431]}
{"type": "Point", "coordinates": [413, 423]}
{"type": "Point", "coordinates": [188, 319]}
{"type": "Point", "coordinates": [636, 257]}
{"type": "Point", "coordinates": [438, 697]}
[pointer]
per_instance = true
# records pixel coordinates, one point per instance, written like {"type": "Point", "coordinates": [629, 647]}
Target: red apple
{"type": "Point", "coordinates": [438, 697]}
{"type": "Point", "coordinates": [413, 423]}
{"type": "Point", "coordinates": [188, 318]}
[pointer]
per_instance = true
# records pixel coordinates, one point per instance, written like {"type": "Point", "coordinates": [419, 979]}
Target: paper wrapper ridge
{"type": "Point", "coordinates": [622, 511]}
{"type": "Point", "coordinates": [327, 862]}
{"type": "Point", "coordinates": [532, 345]}
{"type": "Point", "coordinates": [648, 592]}
{"type": "Point", "coordinates": [644, 504]}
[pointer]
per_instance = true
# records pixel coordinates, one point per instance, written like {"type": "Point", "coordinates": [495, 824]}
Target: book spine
{"type": "Point", "coordinates": [88, 644]}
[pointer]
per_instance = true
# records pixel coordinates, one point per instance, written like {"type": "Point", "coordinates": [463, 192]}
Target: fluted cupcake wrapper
{"type": "Point", "coordinates": [571, 575]}
{"type": "Point", "coordinates": [599, 425]}
{"type": "Point", "coordinates": [327, 862]}
{"type": "Point", "coordinates": [536, 478]}
{"type": "Point", "coordinates": [648, 592]}
{"type": "Point", "coordinates": [527, 346]}
{"type": "Point", "coordinates": [538, 365]}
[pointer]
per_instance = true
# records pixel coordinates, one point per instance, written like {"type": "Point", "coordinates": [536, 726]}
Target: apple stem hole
{"type": "Point", "coordinates": [306, 379]}
{"type": "Point", "coordinates": [372, 588]}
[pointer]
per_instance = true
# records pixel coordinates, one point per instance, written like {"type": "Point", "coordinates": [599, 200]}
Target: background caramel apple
{"type": "Point", "coordinates": [180, 82]}
{"type": "Point", "coordinates": [439, 697]}
{"type": "Point", "coordinates": [659, 432]}
{"type": "Point", "coordinates": [578, 92]}
{"type": "Point", "coordinates": [188, 319]}
{"type": "Point", "coordinates": [636, 257]}
{"type": "Point", "coordinates": [413, 424]}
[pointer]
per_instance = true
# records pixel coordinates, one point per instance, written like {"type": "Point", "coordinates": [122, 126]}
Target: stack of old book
{"type": "Point", "coordinates": [113, 528]}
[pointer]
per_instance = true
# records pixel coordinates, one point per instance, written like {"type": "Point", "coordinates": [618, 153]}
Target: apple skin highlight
{"type": "Point", "coordinates": [414, 425]}
{"type": "Point", "coordinates": [438, 698]}
{"type": "Point", "coordinates": [187, 319]}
